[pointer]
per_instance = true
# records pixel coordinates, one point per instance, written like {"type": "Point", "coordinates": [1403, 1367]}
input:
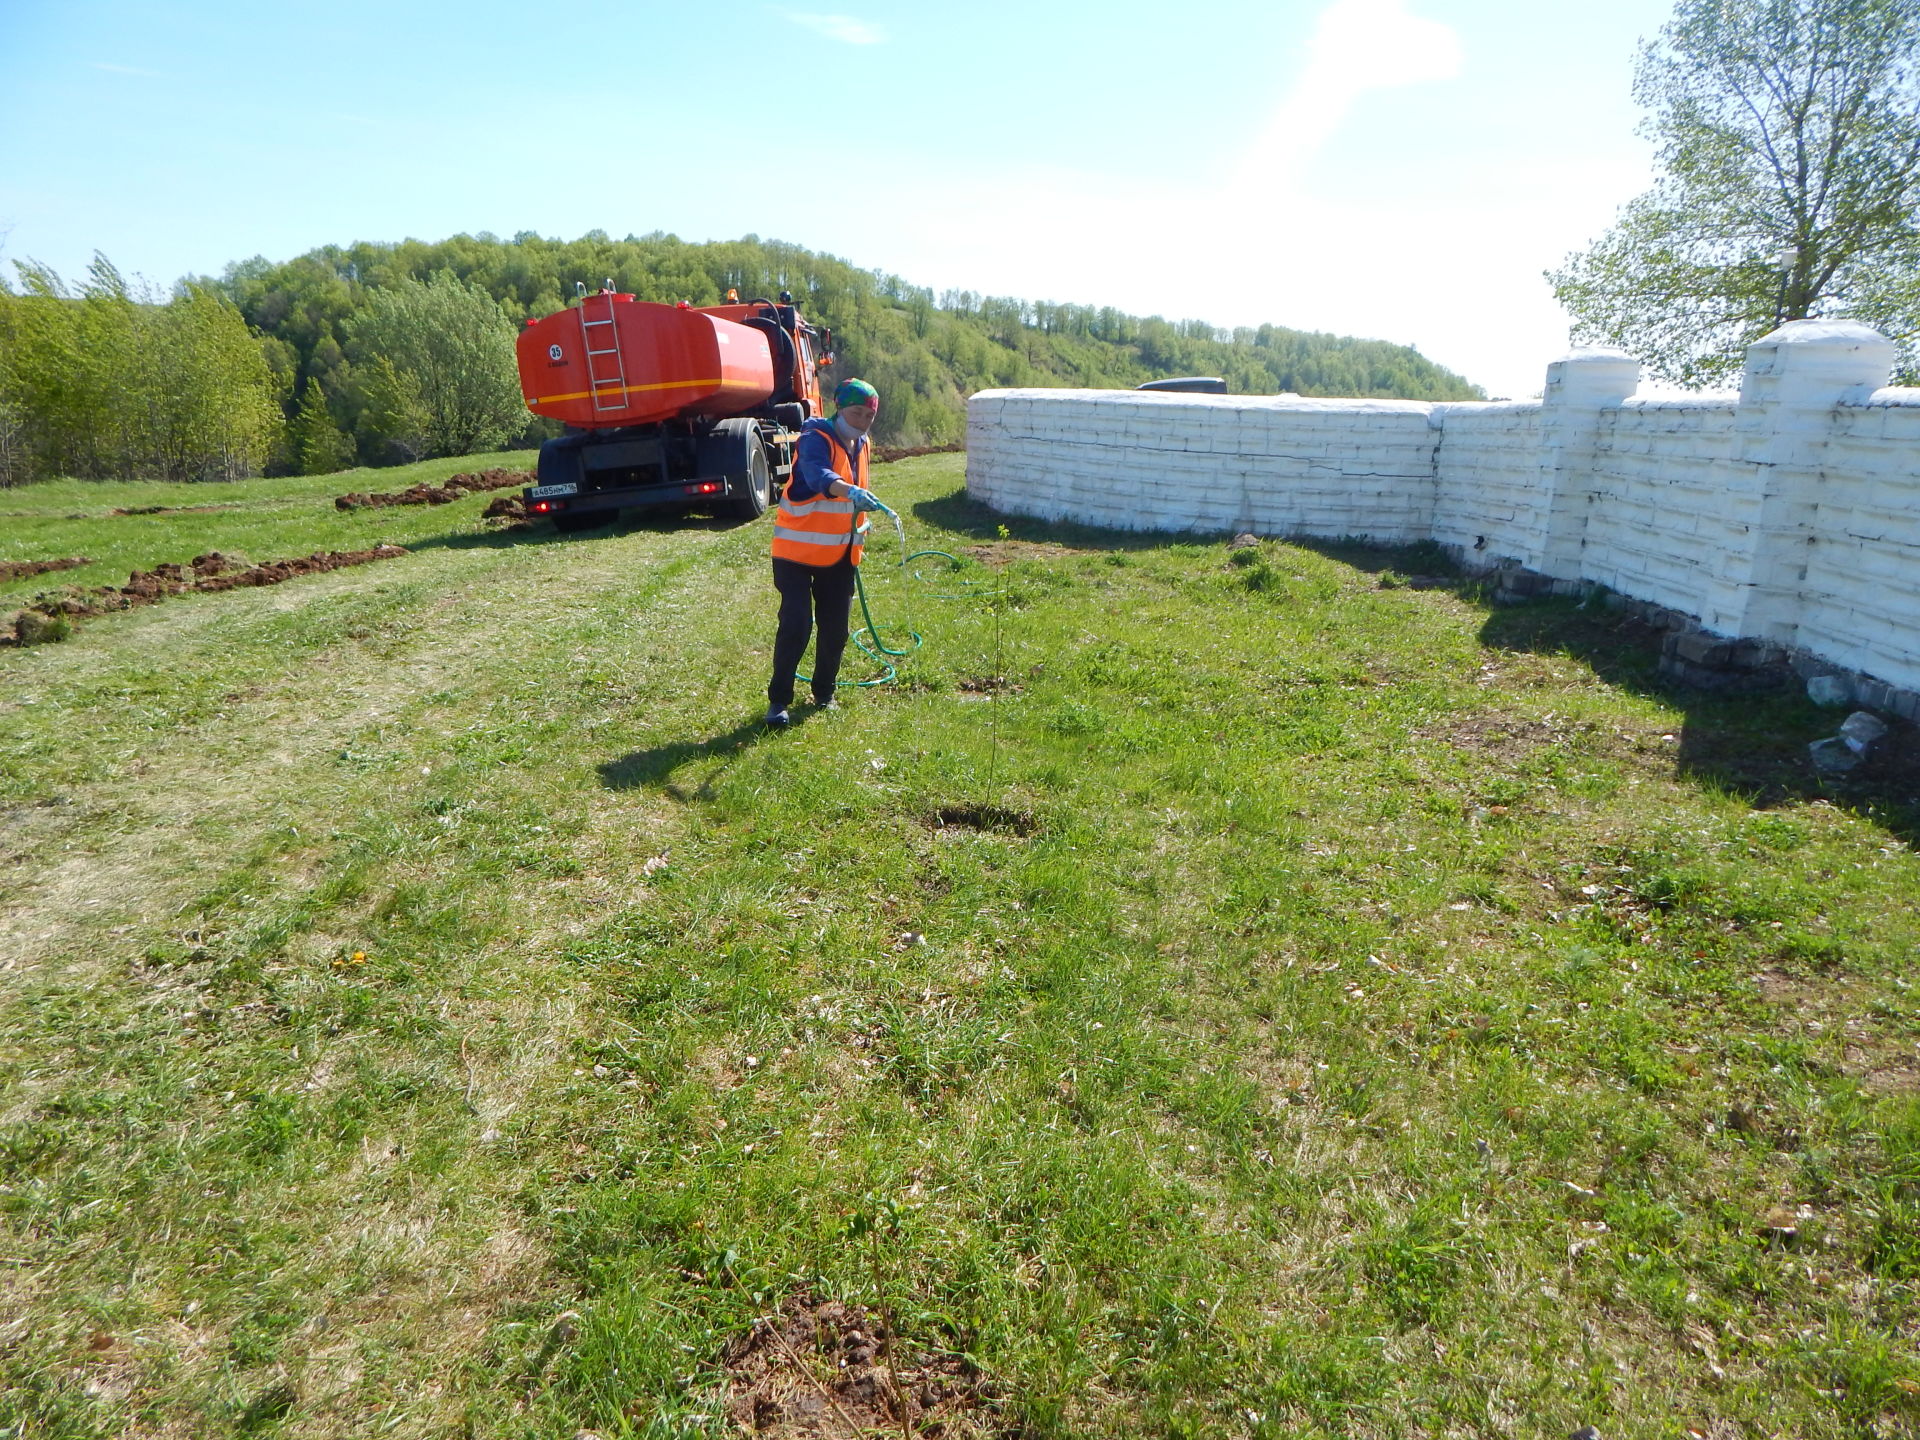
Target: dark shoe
{"type": "Point", "coordinates": [828, 704]}
{"type": "Point", "coordinates": [778, 718]}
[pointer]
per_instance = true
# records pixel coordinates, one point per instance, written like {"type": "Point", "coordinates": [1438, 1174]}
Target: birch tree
{"type": "Point", "coordinates": [1788, 136]}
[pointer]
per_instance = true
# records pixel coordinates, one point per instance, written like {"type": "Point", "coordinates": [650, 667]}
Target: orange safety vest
{"type": "Point", "coordinates": [819, 531]}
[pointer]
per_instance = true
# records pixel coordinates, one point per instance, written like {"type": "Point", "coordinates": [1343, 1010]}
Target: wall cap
{"type": "Point", "coordinates": [1594, 355]}
{"type": "Point", "coordinates": [1888, 396]}
{"type": "Point", "coordinates": [1178, 400]}
{"type": "Point", "coordinates": [1824, 332]}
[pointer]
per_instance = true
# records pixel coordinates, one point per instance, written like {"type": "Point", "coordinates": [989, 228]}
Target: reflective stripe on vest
{"type": "Point", "coordinates": [820, 505]}
{"type": "Point", "coordinates": [819, 531]}
{"type": "Point", "coordinates": [807, 537]}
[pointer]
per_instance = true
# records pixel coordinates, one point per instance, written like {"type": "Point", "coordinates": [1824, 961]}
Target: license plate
{"type": "Point", "coordinates": [541, 492]}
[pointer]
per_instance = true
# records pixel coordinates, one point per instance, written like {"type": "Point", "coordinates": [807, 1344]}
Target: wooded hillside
{"type": "Point", "coordinates": [381, 354]}
{"type": "Point", "coordinates": [926, 353]}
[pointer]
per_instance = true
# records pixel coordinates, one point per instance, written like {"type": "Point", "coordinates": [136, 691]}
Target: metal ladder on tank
{"type": "Point", "coordinates": [609, 391]}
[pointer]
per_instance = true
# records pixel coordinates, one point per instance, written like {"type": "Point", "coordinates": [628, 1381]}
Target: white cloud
{"type": "Point", "coordinates": [124, 69]}
{"type": "Point", "coordinates": [1448, 258]}
{"type": "Point", "coordinates": [844, 28]}
{"type": "Point", "coordinates": [1358, 46]}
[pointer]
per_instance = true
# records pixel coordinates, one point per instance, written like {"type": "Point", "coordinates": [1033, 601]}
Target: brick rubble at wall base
{"type": "Point", "coordinates": [1691, 654]}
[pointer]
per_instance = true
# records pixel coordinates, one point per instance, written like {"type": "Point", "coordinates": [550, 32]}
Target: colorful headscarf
{"type": "Point", "coordinates": [855, 392]}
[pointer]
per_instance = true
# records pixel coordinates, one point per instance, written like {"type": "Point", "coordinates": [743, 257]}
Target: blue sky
{"type": "Point", "coordinates": [1393, 168]}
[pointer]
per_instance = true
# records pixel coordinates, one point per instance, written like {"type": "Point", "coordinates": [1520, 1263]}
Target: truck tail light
{"type": "Point", "coordinates": [705, 487]}
{"type": "Point", "coordinates": [542, 507]}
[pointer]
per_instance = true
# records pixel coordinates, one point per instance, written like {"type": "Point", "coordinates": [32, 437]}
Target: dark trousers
{"type": "Point", "coordinates": [809, 593]}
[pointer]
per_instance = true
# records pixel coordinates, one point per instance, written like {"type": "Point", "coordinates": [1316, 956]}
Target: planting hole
{"type": "Point", "coordinates": [984, 817]}
{"type": "Point", "coordinates": [828, 1369]}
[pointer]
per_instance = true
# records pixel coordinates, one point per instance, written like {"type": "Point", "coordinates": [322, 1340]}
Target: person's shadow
{"type": "Point", "coordinates": [645, 769]}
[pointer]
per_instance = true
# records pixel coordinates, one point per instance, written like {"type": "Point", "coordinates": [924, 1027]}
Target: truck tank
{"type": "Point", "coordinates": [613, 360]}
{"type": "Point", "coordinates": [668, 405]}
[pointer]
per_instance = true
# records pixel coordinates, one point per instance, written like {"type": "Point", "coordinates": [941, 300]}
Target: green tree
{"type": "Point", "coordinates": [207, 403]}
{"type": "Point", "coordinates": [391, 417]}
{"type": "Point", "coordinates": [451, 342]}
{"type": "Point", "coordinates": [316, 444]}
{"type": "Point", "coordinates": [1789, 145]}
{"type": "Point", "coordinates": [15, 467]}
{"type": "Point", "coordinates": [111, 381]}
{"type": "Point", "coordinates": [67, 346]}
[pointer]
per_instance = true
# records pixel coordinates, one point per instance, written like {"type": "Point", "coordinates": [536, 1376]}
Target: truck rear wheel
{"type": "Point", "coordinates": [759, 482]}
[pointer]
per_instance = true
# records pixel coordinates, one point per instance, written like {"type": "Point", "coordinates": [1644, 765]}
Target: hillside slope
{"type": "Point", "coordinates": [926, 354]}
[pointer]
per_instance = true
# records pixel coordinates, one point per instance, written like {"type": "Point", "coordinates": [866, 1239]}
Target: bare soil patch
{"type": "Point", "coordinates": [211, 572]}
{"type": "Point", "coordinates": [15, 569]}
{"type": "Point", "coordinates": [445, 493]}
{"type": "Point", "coordinates": [1883, 1057]}
{"type": "Point", "coordinates": [1898, 1076]}
{"type": "Point", "coordinates": [821, 1368]}
{"type": "Point", "coordinates": [171, 509]}
{"type": "Point", "coordinates": [887, 454]}
{"type": "Point", "coordinates": [989, 685]}
{"type": "Point", "coordinates": [1506, 738]}
{"type": "Point", "coordinates": [1004, 552]}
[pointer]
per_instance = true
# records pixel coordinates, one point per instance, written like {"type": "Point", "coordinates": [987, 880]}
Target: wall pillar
{"type": "Point", "coordinates": [1793, 381]}
{"type": "Point", "coordinates": [1580, 385]}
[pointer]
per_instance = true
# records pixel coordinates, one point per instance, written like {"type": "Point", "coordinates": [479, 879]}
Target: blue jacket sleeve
{"type": "Point", "coordinates": [812, 466]}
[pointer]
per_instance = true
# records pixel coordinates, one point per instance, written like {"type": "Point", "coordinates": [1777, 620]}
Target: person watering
{"type": "Point", "coordinates": [818, 534]}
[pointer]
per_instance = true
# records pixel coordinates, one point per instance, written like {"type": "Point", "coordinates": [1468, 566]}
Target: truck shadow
{"type": "Point", "coordinates": [1752, 746]}
{"type": "Point", "coordinates": [513, 536]}
{"type": "Point", "coordinates": [655, 768]}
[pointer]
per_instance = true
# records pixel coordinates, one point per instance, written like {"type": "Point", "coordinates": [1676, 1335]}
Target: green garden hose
{"type": "Point", "coordinates": [867, 637]}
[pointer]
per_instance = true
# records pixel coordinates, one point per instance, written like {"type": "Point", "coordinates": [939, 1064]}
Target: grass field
{"type": "Point", "coordinates": [1215, 993]}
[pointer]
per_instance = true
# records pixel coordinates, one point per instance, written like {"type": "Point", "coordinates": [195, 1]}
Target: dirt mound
{"type": "Point", "coordinates": [821, 1368]}
{"type": "Point", "coordinates": [507, 507]}
{"type": "Point", "coordinates": [423, 494]}
{"type": "Point", "coordinates": [147, 585]}
{"type": "Point", "coordinates": [887, 454]}
{"type": "Point", "coordinates": [14, 569]}
{"type": "Point", "coordinates": [318, 563]}
{"type": "Point", "coordinates": [211, 572]}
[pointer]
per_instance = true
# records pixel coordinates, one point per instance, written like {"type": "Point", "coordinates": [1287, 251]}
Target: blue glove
{"type": "Point", "coordinates": [864, 499]}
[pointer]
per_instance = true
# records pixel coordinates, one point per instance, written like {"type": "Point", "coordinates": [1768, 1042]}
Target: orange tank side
{"type": "Point", "coordinates": [806, 371]}
{"type": "Point", "coordinates": [612, 360]}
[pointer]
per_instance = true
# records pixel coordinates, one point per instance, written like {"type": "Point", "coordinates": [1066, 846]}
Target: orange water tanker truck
{"type": "Point", "coordinates": [697, 407]}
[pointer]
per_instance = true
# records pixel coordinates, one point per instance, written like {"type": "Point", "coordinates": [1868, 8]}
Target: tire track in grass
{"type": "Point", "coordinates": [126, 848]}
{"type": "Point", "coordinates": [166, 835]}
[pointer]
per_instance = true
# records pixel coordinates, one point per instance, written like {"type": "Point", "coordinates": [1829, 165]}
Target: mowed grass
{"type": "Point", "coordinates": [1375, 1014]}
{"type": "Point", "coordinates": [257, 520]}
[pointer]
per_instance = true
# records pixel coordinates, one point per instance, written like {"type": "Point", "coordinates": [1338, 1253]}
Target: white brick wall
{"type": "Point", "coordinates": [1790, 513]}
{"type": "Point", "coordinates": [1860, 592]}
{"type": "Point", "coordinates": [1132, 460]}
{"type": "Point", "coordinates": [1658, 522]}
{"type": "Point", "coordinates": [1489, 499]}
